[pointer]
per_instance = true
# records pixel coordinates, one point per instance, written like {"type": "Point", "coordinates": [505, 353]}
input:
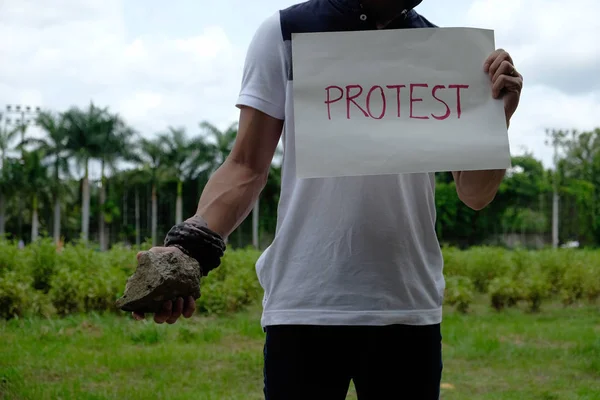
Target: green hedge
{"type": "Point", "coordinates": [38, 280]}
{"type": "Point", "coordinates": [511, 277]}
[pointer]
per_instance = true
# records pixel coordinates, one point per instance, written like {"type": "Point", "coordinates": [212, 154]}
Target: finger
{"type": "Point", "coordinates": [177, 310]}
{"type": "Point", "coordinates": [190, 307]}
{"type": "Point", "coordinates": [502, 56]}
{"type": "Point", "coordinates": [494, 56]}
{"type": "Point", "coordinates": [505, 82]}
{"type": "Point", "coordinates": [505, 68]}
{"type": "Point", "coordinates": [137, 316]}
{"type": "Point", "coordinates": [162, 316]}
{"type": "Point", "coordinates": [160, 249]}
{"type": "Point", "coordinates": [488, 61]}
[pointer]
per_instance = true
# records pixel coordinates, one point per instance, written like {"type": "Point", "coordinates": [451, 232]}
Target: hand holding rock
{"type": "Point", "coordinates": [166, 283]}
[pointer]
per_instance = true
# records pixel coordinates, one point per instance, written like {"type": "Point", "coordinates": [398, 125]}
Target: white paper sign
{"type": "Point", "coordinates": [396, 101]}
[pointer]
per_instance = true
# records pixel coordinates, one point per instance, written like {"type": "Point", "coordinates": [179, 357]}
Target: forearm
{"type": "Point", "coordinates": [229, 196]}
{"type": "Point", "coordinates": [478, 188]}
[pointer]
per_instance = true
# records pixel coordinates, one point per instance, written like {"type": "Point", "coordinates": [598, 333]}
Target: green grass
{"type": "Point", "coordinates": [553, 355]}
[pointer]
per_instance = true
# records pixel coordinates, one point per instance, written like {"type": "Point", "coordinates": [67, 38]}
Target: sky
{"type": "Point", "coordinates": [159, 64]}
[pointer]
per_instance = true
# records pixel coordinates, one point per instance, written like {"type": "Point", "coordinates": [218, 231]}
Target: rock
{"type": "Point", "coordinates": [160, 277]}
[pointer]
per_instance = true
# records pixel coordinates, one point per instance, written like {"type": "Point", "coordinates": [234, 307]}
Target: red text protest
{"type": "Point", "coordinates": [377, 102]}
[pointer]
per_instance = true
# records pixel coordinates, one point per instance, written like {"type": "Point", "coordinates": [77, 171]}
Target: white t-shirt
{"type": "Point", "coordinates": [347, 251]}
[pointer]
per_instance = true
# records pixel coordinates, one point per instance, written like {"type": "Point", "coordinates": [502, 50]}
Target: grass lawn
{"type": "Point", "coordinates": [554, 355]}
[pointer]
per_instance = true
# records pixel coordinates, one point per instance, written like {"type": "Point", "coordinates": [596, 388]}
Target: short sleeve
{"type": "Point", "coordinates": [264, 78]}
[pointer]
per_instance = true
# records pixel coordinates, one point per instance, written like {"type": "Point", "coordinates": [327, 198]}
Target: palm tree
{"type": "Point", "coordinates": [85, 143]}
{"type": "Point", "coordinates": [54, 147]}
{"type": "Point", "coordinates": [115, 136]}
{"type": "Point", "coordinates": [7, 136]}
{"type": "Point", "coordinates": [182, 154]}
{"type": "Point", "coordinates": [151, 157]}
{"type": "Point", "coordinates": [218, 143]}
{"type": "Point", "coordinates": [131, 180]}
{"type": "Point", "coordinates": [35, 178]}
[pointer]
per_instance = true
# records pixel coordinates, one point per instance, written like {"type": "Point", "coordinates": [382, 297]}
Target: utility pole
{"type": "Point", "coordinates": [4, 132]}
{"type": "Point", "coordinates": [22, 117]}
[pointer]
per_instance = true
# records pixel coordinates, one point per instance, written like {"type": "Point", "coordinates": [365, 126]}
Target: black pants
{"type": "Point", "coordinates": [386, 363]}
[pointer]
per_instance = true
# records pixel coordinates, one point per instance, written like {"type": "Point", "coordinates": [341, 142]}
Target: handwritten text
{"type": "Point", "coordinates": [378, 102]}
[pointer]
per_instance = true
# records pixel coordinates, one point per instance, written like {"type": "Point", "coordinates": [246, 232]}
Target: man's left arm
{"type": "Point", "coordinates": [477, 189]}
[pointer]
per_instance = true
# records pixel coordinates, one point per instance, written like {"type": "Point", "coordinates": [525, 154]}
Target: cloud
{"type": "Point", "coordinates": [554, 44]}
{"type": "Point", "coordinates": [69, 52]}
{"type": "Point", "coordinates": [545, 108]}
{"type": "Point", "coordinates": [555, 47]}
{"type": "Point", "coordinates": [161, 65]}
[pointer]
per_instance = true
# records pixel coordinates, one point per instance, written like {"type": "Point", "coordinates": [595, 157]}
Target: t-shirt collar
{"type": "Point", "coordinates": [354, 6]}
{"type": "Point", "coordinates": [353, 9]}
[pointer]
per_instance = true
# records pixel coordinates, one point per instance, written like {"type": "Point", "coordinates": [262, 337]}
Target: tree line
{"type": "Point", "coordinates": [147, 184]}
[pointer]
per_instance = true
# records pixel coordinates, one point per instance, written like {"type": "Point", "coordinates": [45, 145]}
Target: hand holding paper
{"type": "Point", "coordinates": [506, 81]}
{"type": "Point", "coordinates": [478, 188]}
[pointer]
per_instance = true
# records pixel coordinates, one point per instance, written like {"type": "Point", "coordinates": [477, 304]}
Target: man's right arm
{"type": "Point", "coordinates": [233, 189]}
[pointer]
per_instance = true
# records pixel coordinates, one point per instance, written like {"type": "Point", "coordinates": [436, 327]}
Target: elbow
{"type": "Point", "coordinates": [480, 189]}
{"type": "Point", "coordinates": [477, 203]}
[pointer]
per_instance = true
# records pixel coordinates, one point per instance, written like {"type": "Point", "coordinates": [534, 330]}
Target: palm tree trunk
{"type": "Point", "coordinates": [56, 219]}
{"type": "Point", "coordinates": [154, 214]}
{"type": "Point", "coordinates": [57, 182]}
{"type": "Point", "coordinates": [138, 240]}
{"type": "Point", "coordinates": [20, 218]}
{"type": "Point", "coordinates": [2, 214]}
{"type": "Point", "coordinates": [255, 238]}
{"type": "Point", "coordinates": [102, 199]}
{"type": "Point", "coordinates": [2, 203]}
{"type": "Point", "coordinates": [34, 219]}
{"type": "Point", "coordinates": [85, 204]}
{"type": "Point", "coordinates": [20, 199]}
{"type": "Point", "coordinates": [179, 203]}
{"type": "Point", "coordinates": [125, 208]}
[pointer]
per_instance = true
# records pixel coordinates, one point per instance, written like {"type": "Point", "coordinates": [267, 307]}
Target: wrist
{"type": "Point", "coordinates": [195, 239]}
{"type": "Point", "coordinates": [196, 220]}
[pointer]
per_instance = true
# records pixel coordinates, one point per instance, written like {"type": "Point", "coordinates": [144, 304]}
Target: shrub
{"type": "Point", "coordinates": [14, 294]}
{"type": "Point", "coordinates": [484, 264]}
{"type": "Point", "coordinates": [41, 258]}
{"type": "Point", "coordinates": [459, 292]}
{"type": "Point", "coordinates": [555, 263]}
{"type": "Point", "coordinates": [11, 257]}
{"type": "Point", "coordinates": [232, 285]}
{"type": "Point", "coordinates": [504, 292]}
{"type": "Point", "coordinates": [535, 288]}
{"type": "Point", "coordinates": [65, 293]}
{"type": "Point", "coordinates": [454, 262]}
{"type": "Point", "coordinates": [573, 285]}
{"type": "Point", "coordinates": [523, 262]}
{"type": "Point", "coordinates": [121, 257]}
{"type": "Point", "coordinates": [87, 280]}
{"type": "Point", "coordinates": [39, 280]}
{"type": "Point", "coordinates": [591, 285]}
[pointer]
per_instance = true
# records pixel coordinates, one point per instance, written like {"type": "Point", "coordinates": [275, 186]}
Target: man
{"type": "Point", "coordinates": [353, 279]}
